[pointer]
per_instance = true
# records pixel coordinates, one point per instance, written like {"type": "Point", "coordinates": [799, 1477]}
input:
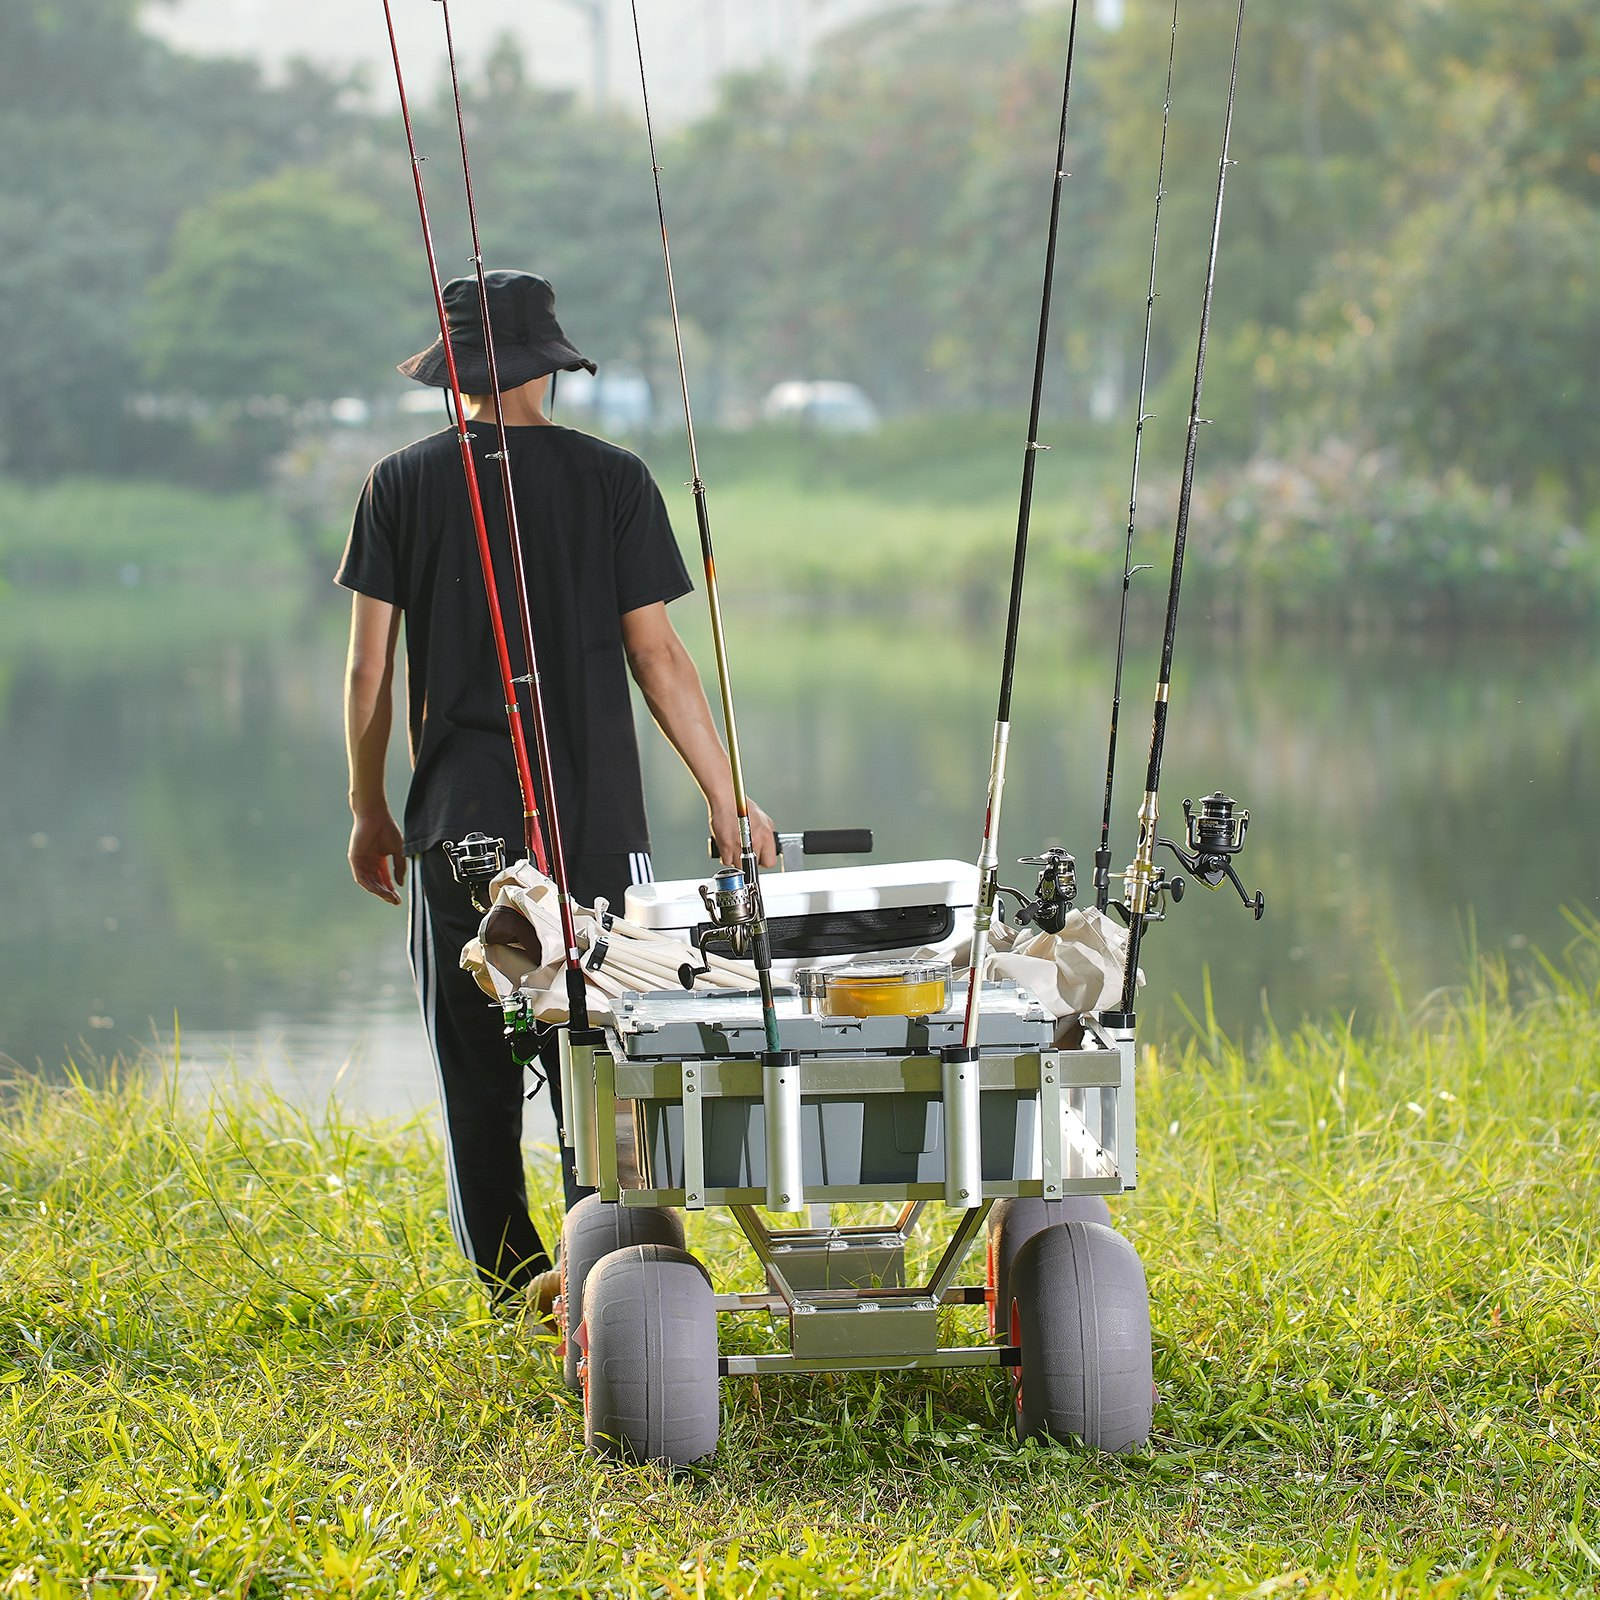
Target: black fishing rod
{"type": "Point", "coordinates": [1144, 882]}
{"type": "Point", "coordinates": [736, 908]}
{"type": "Point", "coordinates": [988, 853]}
{"type": "Point", "coordinates": [1102, 856]}
{"type": "Point", "coordinates": [577, 993]}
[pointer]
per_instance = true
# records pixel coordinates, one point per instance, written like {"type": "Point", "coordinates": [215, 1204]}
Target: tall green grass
{"type": "Point", "coordinates": [238, 1356]}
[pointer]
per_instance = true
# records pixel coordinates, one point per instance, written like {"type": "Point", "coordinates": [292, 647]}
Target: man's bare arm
{"type": "Point", "coordinates": [377, 849]}
{"type": "Point", "coordinates": [666, 675]}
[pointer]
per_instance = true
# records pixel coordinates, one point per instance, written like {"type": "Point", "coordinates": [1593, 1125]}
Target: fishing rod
{"type": "Point", "coordinates": [735, 906]}
{"type": "Point", "coordinates": [988, 855]}
{"type": "Point", "coordinates": [1216, 835]}
{"type": "Point", "coordinates": [577, 992]}
{"type": "Point", "coordinates": [530, 815]}
{"type": "Point", "coordinates": [1102, 856]}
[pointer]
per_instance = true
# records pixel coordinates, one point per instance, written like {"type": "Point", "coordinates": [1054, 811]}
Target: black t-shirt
{"type": "Point", "coordinates": [596, 544]}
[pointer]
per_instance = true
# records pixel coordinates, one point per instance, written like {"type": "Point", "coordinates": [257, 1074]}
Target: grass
{"type": "Point", "coordinates": [921, 515]}
{"type": "Point", "coordinates": [105, 531]}
{"type": "Point", "coordinates": [238, 1356]}
{"type": "Point", "coordinates": [918, 514]}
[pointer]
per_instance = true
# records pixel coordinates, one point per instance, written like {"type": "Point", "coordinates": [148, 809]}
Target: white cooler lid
{"type": "Point", "coordinates": [676, 902]}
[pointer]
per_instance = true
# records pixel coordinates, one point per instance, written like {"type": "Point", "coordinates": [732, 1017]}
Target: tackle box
{"type": "Point", "coordinates": [834, 913]}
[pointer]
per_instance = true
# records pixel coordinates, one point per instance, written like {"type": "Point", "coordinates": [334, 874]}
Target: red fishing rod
{"type": "Point", "coordinates": [532, 840]}
{"type": "Point", "coordinates": [577, 994]}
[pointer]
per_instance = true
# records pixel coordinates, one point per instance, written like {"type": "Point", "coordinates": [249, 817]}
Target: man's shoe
{"type": "Point", "coordinates": [540, 1297]}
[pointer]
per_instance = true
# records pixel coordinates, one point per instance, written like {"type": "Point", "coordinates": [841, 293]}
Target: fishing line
{"type": "Point", "coordinates": [988, 854]}
{"type": "Point", "coordinates": [1102, 856]}
{"type": "Point", "coordinates": [577, 997]}
{"type": "Point", "coordinates": [744, 899]}
{"type": "Point", "coordinates": [1143, 881]}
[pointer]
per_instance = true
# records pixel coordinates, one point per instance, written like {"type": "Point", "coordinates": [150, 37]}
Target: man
{"type": "Point", "coordinates": [601, 566]}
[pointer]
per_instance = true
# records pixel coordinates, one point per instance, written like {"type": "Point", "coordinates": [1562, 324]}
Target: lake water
{"type": "Point", "coordinates": [172, 820]}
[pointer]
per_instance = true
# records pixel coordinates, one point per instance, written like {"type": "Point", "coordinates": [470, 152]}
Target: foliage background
{"type": "Point", "coordinates": [1407, 254]}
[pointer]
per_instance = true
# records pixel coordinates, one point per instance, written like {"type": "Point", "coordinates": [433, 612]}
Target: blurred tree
{"type": "Point", "coordinates": [1324, 110]}
{"type": "Point", "coordinates": [1484, 339]}
{"type": "Point", "coordinates": [735, 179]}
{"type": "Point", "coordinates": [109, 136]}
{"type": "Point", "coordinates": [1522, 78]}
{"type": "Point", "coordinates": [293, 287]}
{"type": "Point", "coordinates": [560, 191]}
{"type": "Point", "coordinates": [988, 264]}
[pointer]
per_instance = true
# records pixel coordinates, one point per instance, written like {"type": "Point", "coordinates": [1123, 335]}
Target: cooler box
{"type": "Point", "coordinates": [833, 913]}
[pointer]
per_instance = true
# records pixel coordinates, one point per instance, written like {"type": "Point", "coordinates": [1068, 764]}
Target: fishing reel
{"type": "Point", "coordinates": [476, 862]}
{"type": "Point", "coordinates": [1054, 894]}
{"type": "Point", "coordinates": [526, 1036]}
{"type": "Point", "coordinates": [730, 901]}
{"type": "Point", "coordinates": [1214, 837]}
{"type": "Point", "coordinates": [1158, 889]}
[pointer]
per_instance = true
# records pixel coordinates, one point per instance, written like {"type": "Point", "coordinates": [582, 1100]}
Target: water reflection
{"type": "Point", "coordinates": [172, 823]}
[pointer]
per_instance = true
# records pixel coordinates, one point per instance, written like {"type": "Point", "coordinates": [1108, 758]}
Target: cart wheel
{"type": "Point", "coordinates": [593, 1229]}
{"type": "Point", "coordinates": [1080, 1314]}
{"type": "Point", "coordinates": [650, 1372]}
{"type": "Point", "coordinates": [1012, 1223]}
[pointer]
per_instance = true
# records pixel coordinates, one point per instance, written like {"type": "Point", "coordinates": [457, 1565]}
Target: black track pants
{"type": "Point", "coordinates": [480, 1085]}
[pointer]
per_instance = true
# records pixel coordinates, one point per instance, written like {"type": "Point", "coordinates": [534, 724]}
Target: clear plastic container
{"type": "Point", "coordinates": [876, 988]}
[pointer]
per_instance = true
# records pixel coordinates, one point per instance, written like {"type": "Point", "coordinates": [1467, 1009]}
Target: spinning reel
{"type": "Point", "coordinates": [1053, 896]}
{"type": "Point", "coordinates": [730, 901]}
{"type": "Point", "coordinates": [476, 861]}
{"type": "Point", "coordinates": [1214, 837]}
{"type": "Point", "coordinates": [526, 1036]}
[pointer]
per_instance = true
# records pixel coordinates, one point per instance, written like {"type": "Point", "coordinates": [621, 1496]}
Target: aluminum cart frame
{"type": "Point", "coordinates": [864, 1112]}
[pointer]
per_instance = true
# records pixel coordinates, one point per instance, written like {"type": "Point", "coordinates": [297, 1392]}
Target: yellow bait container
{"type": "Point", "coordinates": [877, 988]}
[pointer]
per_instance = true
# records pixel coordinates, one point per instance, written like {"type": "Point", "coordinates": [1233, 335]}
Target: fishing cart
{"type": "Point", "coordinates": [863, 1104]}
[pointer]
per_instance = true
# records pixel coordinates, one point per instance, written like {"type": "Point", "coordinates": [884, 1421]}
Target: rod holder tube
{"type": "Point", "coordinates": [1117, 1128]}
{"type": "Point", "coordinates": [963, 1129]}
{"type": "Point", "coordinates": [578, 1085]}
{"type": "Point", "coordinates": [780, 1092]}
{"type": "Point", "coordinates": [569, 1093]}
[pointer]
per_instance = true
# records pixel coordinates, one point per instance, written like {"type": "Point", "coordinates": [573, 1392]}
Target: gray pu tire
{"type": "Point", "coordinates": [1012, 1223]}
{"type": "Point", "coordinates": [1080, 1311]}
{"type": "Point", "coordinates": [593, 1229]}
{"type": "Point", "coordinates": [650, 1389]}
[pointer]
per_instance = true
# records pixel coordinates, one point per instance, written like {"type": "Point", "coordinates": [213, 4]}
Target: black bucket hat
{"type": "Point", "coordinates": [528, 341]}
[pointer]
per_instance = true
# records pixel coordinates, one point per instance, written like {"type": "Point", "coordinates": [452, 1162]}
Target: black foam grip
{"type": "Point", "coordinates": [837, 841]}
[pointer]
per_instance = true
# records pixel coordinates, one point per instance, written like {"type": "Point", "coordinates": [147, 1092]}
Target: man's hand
{"type": "Point", "coordinates": [725, 831]}
{"type": "Point", "coordinates": [378, 855]}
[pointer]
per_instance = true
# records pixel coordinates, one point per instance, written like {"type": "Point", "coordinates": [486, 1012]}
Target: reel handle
{"type": "Point", "coordinates": [793, 848]}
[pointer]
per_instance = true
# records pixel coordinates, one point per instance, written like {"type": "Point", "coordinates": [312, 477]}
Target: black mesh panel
{"type": "Point", "coordinates": [838, 933]}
